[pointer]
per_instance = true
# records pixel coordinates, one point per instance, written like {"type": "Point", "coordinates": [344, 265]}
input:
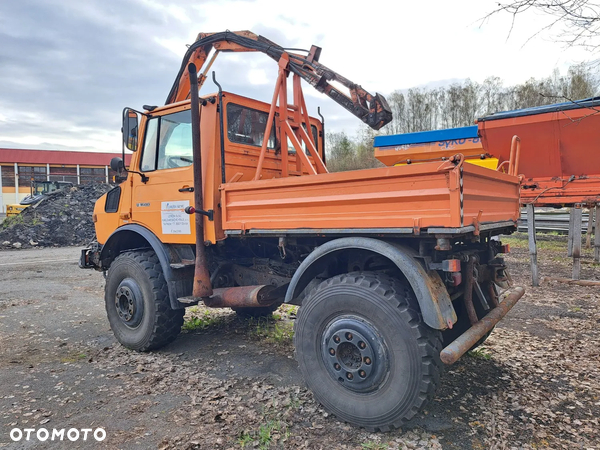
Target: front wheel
{"type": "Point", "coordinates": [365, 352]}
{"type": "Point", "coordinates": [137, 302]}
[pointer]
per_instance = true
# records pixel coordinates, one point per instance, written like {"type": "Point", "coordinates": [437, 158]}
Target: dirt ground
{"type": "Point", "coordinates": [233, 383]}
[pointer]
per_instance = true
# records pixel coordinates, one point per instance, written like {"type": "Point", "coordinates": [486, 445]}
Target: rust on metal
{"type": "Point", "coordinates": [492, 293]}
{"type": "Point", "coordinates": [570, 281]}
{"type": "Point", "coordinates": [468, 297]}
{"type": "Point", "coordinates": [371, 109]}
{"type": "Point", "coordinates": [202, 286]}
{"type": "Point", "coordinates": [515, 155]}
{"type": "Point", "coordinates": [242, 297]}
{"type": "Point", "coordinates": [468, 339]}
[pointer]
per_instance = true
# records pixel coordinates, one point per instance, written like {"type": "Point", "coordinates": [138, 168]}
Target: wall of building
{"type": "Point", "coordinates": [15, 179]}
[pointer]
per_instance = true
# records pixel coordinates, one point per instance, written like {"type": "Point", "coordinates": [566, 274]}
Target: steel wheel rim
{"type": "Point", "coordinates": [129, 303]}
{"type": "Point", "coordinates": [354, 354]}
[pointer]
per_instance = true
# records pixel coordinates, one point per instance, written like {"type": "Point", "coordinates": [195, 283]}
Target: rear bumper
{"type": "Point", "coordinates": [469, 338]}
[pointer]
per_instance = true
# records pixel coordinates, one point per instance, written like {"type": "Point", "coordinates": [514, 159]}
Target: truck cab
{"type": "Point", "coordinates": [163, 154]}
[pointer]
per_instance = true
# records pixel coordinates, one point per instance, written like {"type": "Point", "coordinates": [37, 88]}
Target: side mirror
{"type": "Point", "coordinates": [130, 129]}
{"type": "Point", "coordinates": [116, 164]}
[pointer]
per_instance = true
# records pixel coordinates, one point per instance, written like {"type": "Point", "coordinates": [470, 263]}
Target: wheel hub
{"type": "Point", "coordinates": [354, 353]}
{"type": "Point", "coordinates": [129, 303]}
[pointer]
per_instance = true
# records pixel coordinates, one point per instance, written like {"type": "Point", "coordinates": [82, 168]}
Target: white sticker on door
{"type": "Point", "coordinates": [173, 217]}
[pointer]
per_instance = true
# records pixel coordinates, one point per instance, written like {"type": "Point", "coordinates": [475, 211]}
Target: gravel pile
{"type": "Point", "coordinates": [62, 218]}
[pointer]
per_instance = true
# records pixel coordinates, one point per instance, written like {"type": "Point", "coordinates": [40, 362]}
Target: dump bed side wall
{"type": "Point", "coordinates": [409, 198]}
{"type": "Point", "coordinates": [495, 194]}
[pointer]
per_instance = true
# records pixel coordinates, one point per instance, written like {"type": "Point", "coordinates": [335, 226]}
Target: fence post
{"type": "Point", "coordinates": [570, 235]}
{"type": "Point", "coordinates": [577, 242]}
{"type": "Point", "coordinates": [590, 226]}
{"type": "Point", "coordinates": [535, 278]}
{"type": "Point", "coordinates": [597, 234]}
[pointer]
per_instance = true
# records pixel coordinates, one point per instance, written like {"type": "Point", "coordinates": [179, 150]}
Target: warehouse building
{"type": "Point", "coordinates": [20, 167]}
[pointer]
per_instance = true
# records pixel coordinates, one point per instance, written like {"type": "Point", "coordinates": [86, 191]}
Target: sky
{"type": "Point", "coordinates": [68, 67]}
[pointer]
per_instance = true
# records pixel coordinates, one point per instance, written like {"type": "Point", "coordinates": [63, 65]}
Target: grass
{"type": "Point", "coordinates": [480, 353]}
{"type": "Point", "coordinates": [73, 358]}
{"type": "Point", "coordinates": [547, 242]}
{"type": "Point", "coordinates": [245, 439]}
{"type": "Point", "coordinates": [278, 328]}
{"type": "Point", "coordinates": [12, 220]}
{"type": "Point", "coordinates": [267, 434]}
{"type": "Point", "coordinates": [275, 329]}
{"type": "Point", "coordinates": [522, 243]}
{"type": "Point", "coordinates": [200, 320]}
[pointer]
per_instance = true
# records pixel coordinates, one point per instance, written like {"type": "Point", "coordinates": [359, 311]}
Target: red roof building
{"type": "Point", "coordinates": [18, 167]}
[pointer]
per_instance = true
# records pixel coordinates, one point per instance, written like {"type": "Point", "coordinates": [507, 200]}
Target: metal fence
{"type": "Point", "coordinates": [553, 220]}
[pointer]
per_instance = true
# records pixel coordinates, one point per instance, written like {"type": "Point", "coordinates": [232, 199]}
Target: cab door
{"type": "Point", "coordinates": [159, 203]}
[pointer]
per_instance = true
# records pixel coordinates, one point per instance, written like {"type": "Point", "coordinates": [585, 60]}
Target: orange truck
{"type": "Point", "coordinates": [228, 202]}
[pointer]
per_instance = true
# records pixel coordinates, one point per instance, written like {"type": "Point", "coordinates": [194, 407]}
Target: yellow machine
{"type": "Point", "coordinates": [39, 189]}
{"type": "Point", "coordinates": [14, 210]}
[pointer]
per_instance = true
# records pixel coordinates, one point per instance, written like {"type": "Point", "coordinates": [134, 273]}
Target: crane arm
{"type": "Point", "coordinates": [371, 109]}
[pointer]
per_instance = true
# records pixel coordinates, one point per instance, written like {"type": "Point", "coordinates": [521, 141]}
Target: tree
{"type": "Point", "coordinates": [341, 152]}
{"type": "Point", "coordinates": [345, 153]}
{"type": "Point", "coordinates": [575, 22]}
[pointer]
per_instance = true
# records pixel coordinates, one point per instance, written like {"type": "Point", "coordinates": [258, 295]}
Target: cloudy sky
{"type": "Point", "coordinates": [68, 67]}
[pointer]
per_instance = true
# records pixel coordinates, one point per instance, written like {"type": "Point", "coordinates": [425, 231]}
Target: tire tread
{"type": "Point", "coordinates": [168, 321]}
{"type": "Point", "coordinates": [429, 340]}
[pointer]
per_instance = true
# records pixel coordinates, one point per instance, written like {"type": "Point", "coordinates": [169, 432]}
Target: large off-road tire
{"type": "Point", "coordinates": [137, 302]}
{"type": "Point", "coordinates": [365, 352]}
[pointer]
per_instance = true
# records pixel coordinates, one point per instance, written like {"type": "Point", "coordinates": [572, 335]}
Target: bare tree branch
{"type": "Point", "coordinates": [577, 22]}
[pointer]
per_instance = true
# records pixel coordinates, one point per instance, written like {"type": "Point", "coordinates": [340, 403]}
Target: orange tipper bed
{"type": "Point", "coordinates": [420, 198]}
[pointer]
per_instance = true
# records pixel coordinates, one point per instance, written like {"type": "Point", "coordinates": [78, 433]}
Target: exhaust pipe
{"type": "Point", "coordinates": [245, 296]}
{"type": "Point", "coordinates": [202, 284]}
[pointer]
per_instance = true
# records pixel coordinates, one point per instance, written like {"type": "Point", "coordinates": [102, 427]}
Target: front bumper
{"type": "Point", "coordinates": [90, 257]}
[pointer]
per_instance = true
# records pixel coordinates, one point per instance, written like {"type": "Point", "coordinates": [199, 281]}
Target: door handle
{"type": "Point", "coordinates": [186, 189]}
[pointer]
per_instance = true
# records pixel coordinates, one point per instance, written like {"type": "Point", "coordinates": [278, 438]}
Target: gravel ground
{"type": "Point", "coordinates": [232, 383]}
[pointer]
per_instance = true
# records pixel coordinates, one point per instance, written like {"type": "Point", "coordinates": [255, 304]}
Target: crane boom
{"type": "Point", "coordinates": [371, 109]}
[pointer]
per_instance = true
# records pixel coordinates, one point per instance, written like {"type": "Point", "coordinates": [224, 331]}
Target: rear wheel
{"type": "Point", "coordinates": [364, 351]}
{"type": "Point", "coordinates": [137, 302]}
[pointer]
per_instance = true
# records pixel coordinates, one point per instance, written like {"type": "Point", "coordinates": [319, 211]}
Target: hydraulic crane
{"type": "Point", "coordinates": [371, 109]}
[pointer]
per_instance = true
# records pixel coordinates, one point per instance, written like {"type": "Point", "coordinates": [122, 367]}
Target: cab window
{"type": "Point", "coordinates": [247, 126]}
{"type": "Point", "coordinates": [315, 134]}
{"type": "Point", "coordinates": [168, 142]}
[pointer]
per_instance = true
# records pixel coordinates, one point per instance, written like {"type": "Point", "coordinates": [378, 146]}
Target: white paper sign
{"type": "Point", "coordinates": [173, 217]}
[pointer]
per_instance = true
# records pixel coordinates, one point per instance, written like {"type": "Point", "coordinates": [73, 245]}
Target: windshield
{"type": "Point", "coordinates": [41, 188]}
{"type": "Point", "coordinates": [168, 142]}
